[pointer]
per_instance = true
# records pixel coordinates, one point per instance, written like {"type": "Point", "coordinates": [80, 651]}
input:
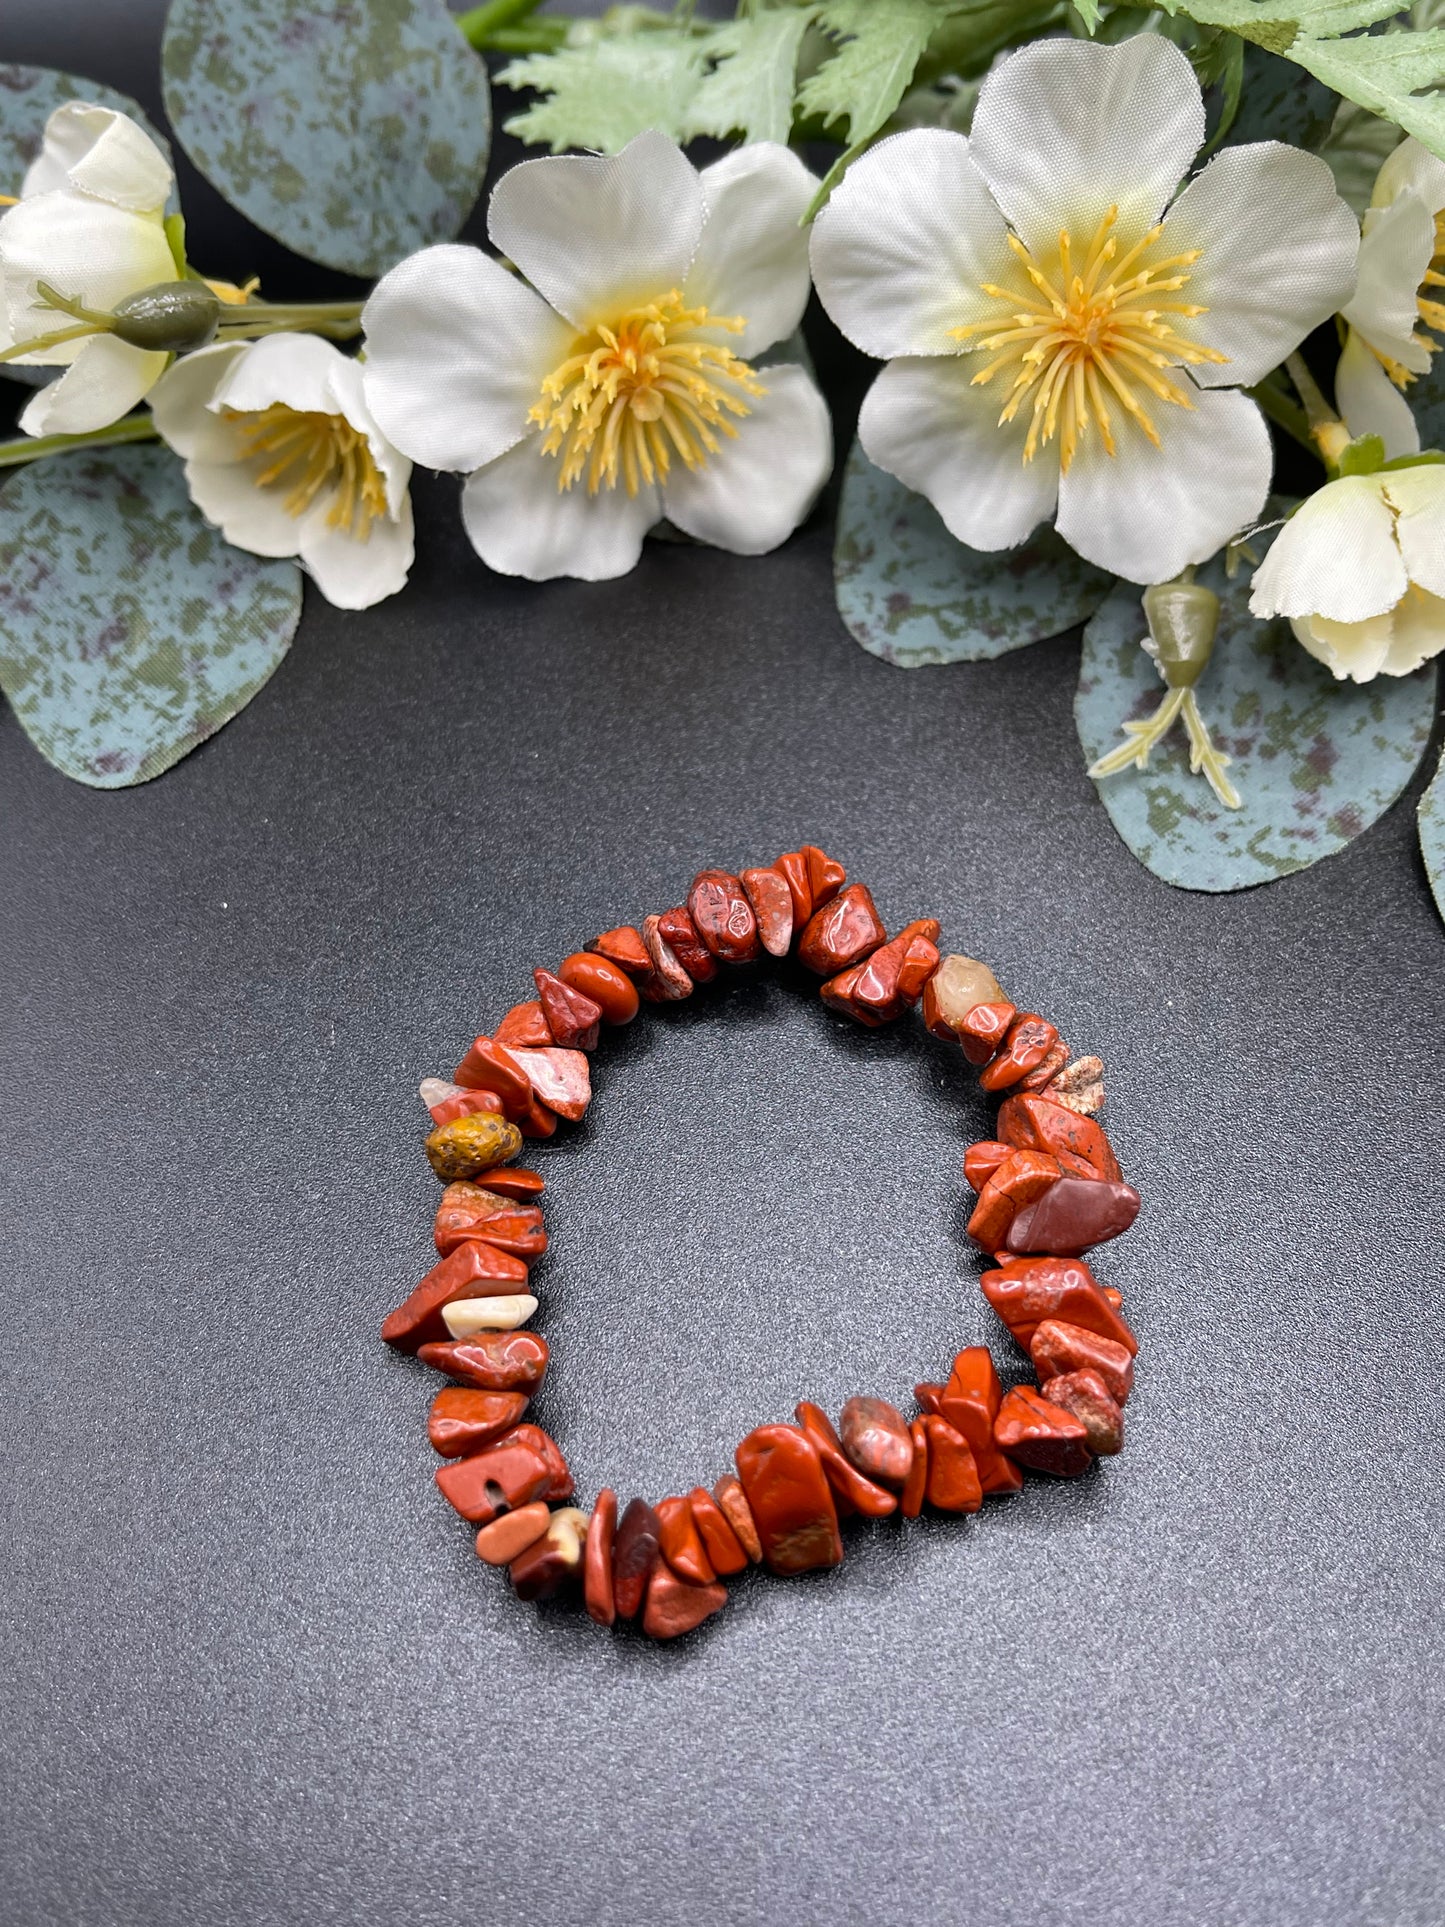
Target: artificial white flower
{"type": "Point", "coordinates": [1060, 345]}
{"type": "Point", "coordinates": [1402, 258]}
{"type": "Point", "coordinates": [1359, 569]}
{"type": "Point", "coordinates": [89, 224]}
{"type": "Point", "coordinates": [618, 387]}
{"type": "Point", "coordinates": [283, 455]}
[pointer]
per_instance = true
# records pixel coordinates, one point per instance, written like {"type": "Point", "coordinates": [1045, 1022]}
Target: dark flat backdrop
{"type": "Point", "coordinates": [253, 1672]}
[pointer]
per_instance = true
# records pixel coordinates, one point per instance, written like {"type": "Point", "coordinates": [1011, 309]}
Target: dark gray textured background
{"type": "Point", "coordinates": [253, 1672]}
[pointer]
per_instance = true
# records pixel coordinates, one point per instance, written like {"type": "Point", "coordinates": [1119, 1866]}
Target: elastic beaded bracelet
{"type": "Point", "coordinates": [1049, 1189]}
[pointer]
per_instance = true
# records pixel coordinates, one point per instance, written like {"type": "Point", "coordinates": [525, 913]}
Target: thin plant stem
{"type": "Point", "coordinates": [506, 26]}
{"type": "Point", "coordinates": [38, 342]}
{"type": "Point", "coordinates": [1289, 416]}
{"type": "Point", "coordinates": [34, 448]}
{"type": "Point", "coordinates": [1310, 393]}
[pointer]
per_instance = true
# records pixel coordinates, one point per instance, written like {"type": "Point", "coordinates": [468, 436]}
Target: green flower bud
{"type": "Point", "coordinates": [1183, 618]}
{"type": "Point", "coordinates": [168, 319]}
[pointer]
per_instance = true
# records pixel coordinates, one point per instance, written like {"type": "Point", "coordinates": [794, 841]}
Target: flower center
{"type": "Point", "coordinates": [1089, 338]}
{"type": "Point", "coordinates": [653, 385]}
{"type": "Point", "coordinates": [1432, 313]}
{"type": "Point", "coordinates": [305, 452]}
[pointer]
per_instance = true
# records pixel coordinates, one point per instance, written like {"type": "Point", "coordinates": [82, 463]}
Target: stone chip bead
{"type": "Point", "coordinates": [1034, 1121]}
{"type": "Point", "coordinates": [843, 932]}
{"type": "Point", "coordinates": [772, 902]}
{"type": "Point", "coordinates": [606, 983]}
{"type": "Point", "coordinates": [1040, 1435]}
{"type": "Point", "coordinates": [466, 1317]}
{"type": "Point", "coordinates": [1080, 1086]}
{"type": "Point", "coordinates": [491, 1066]}
{"type": "Point", "coordinates": [495, 1361]}
{"type": "Point", "coordinates": [681, 1542]}
{"type": "Point", "coordinates": [499, 1543]}
{"type": "Point", "coordinates": [826, 877]}
{"type": "Point", "coordinates": [957, 986]}
{"type": "Point", "coordinates": [635, 1552]}
{"type": "Point", "coordinates": [721, 1544]}
{"type": "Point", "coordinates": [853, 1493]}
{"type": "Point", "coordinates": [469, 1144]}
{"type": "Point", "coordinates": [916, 1484]}
{"type": "Point", "coordinates": [517, 1230]}
{"type": "Point", "coordinates": [1026, 1044]}
{"type": "Point", "coordinates": [550, 1562]}
{"type": "Point", "coordinates": [1073, 1216]}
{"type": "Point", "coordinates": [970, 1402]}
{"type": "Point", "coordinates": [597, 1559]}
{"type": "Point", "coordinates": [560, 1079]}
{"type": "Point", "coordinates": [793, 869]}
{"type": "Point", "coordinates": [517, 1183]}
{"type": "Point", "coordinates": [723, 917]}
{"type": "Point", "coordinates": [674, 1606]}
{"type": "Point", "coordinates": [465, 1206]}
{"type": "Point", "coordinates": [525, 1024]}
{"type": "Point", "coordinates": [680, 932]}
{"type": "Point", "coordinates": [1020, 1179]}
{"type": "Point", "coordinates": [981, 1160]}
{"type": "Point", "coordinates": [472, 1270]}
{"type": "Point", "coordinates": [1087, 1397]}
{"type": "Point", "coordinates": [463, 1419]}
{"type": "Point", "coordinates": [1057, 1349]}
{"type": "Point", "coordinates": [875, 1437]}
{"type": "Point", "coordinates": [790, 1499]}
{"type": "Point", "coordinates": [625, 948]}
{"type": "Point", "coordinates": [447, 1102]}
{"type": "Point", "coordinates": [1044, 1073]}
{"type": "Point", "coordinates": [669, 982]}
{"type": "Point", "coordinates": [733, 1504]}
{"type": "Point", "coordinates": [572, 1018]}
{"type": "Point", "coordinates": [953, 1481]}
{"type": "Point", "coordinates": [1026, 1291]}
{"type": "Point", "coordinates": [523, 1465]}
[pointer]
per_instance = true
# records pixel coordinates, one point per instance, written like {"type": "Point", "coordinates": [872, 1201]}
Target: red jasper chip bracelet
{"type": "Point", "coordinates": [1049, 1189]}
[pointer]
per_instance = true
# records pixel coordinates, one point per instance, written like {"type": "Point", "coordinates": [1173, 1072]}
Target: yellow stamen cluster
{"type": "Point", "coordinates": [654, 384]}
{"type": "Point", "coordinates": [305, 453]}
{"type": "Point", "coordinates": [1432, 313]}
{"type": "Point", "coordinates": [1083, 338]}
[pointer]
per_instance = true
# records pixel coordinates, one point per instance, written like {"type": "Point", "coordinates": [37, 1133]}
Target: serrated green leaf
{"type": "Point", "coordinates": [601, 92]}
{"type": "Point", "coordinates": [882, 42]}
{"type": "Point", "coordinates": [1275, 24]}
{"type": "Point", "coordinates": [1089, 12]}
{"type": "Point", "coordinates": [750, 88]}
{"type": "Point", "coordinates": [1384, 73]}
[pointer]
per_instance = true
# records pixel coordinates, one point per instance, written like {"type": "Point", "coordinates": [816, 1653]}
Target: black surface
{"type": "Point", "coordinates": [253, 1672]}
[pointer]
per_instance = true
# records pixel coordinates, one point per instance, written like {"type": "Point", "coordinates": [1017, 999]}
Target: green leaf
{"type": "Point", "coordinates": [1316, 761]}
{"type": "Point", "coordinates": [1355, 147]}
{"type": "Point", "coordinates": [130, 630]}
{"type": "Point", "coordinates": [882, 43]}
{"type": "Point", "coordinates": [28, 97]}
{"type": "Point", "coordinates": [354, 133]}
{"type": "Point", "coordinates": [601, 92]}
{"type": "Point", "coordinates": [913, 594]}
{"type": "Point", "coordinates": [1432, 836]}
{"type": "Point", "coordinates": [1384, 73]}
{"type": "Point", "coordinates": [1280, 102]}
{"type": "Point", "coordinates": [750, 88]}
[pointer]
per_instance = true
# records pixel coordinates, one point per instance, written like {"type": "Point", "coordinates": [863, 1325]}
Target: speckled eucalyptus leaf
{"type": "Point", "coordinates": [28, 97]}
{"type": "Point", "coordinates": [1316, 761]}
{"type": "Point", "coordinates": [354, 133]}
{"type": "Point", "coordinates": [912, 594]}
{"type": "Point", "coordinates": [130, 631]}
{"type": "Point", "coordinates": [1432, 836]}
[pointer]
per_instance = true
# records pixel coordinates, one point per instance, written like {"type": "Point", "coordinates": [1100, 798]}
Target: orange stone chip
{"type": "Point", "coordinates": [789, 1496]}
{"type": "Point", "coordinates": [674, 1606]}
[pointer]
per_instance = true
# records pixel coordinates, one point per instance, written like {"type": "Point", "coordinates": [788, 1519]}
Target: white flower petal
{"type": "Point", "coordinates": [102, 153]}
{"type": "Point", "coordinates": [1411, 167]}
{"type": "Point", "coordinates": [1278, 255]}
{"type": "Point", "coordinates": [1419, 633]}
{"type": "Point", "coordinates": [253, 518]}
{"type": "Point", "coordinates": [353, 574]}
{"type": "Point", "coordinates": [599, 234]}
{"type": "Point", "coordinates": [456, 352]}
{"type": "Point", "coordinates": [104, 381]}
{"type": "Point", "coordinates": [347, 391]}
{"type": "Point", "coordinates": [924, 421]}
{"type": "Point", "coordinates": [752, 259]}
{"type": "Point", "coordinates": [760, 485]}
{"type": "Point", "coordinates": [1370, 402]}
{"type": "Point", "coordinates": [181, 401]}
{"type": "Point", "coordinates": [906, 240]}
{"type": "Point", "coordinates": [1335, 557]}
{"type": "Point", "coordinates": [1066, 129]}
{"type": "Point", "coordinates": [1395, 253]}
{"type": "Point", "coordinates": [1146, 512]}
{"type": "Point", "coordinates": [1353, 651]}
{"type": "Point", "coordinates": [521, 523]}
{"type": "Point", "coordinates": [1417, 496]}
{"type": "Point", "coordinates": [83, 248]}
{"type": "Point", "coordinates": [293, 369]}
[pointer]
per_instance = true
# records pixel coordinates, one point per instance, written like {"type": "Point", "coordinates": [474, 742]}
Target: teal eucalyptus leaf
{"type": "Point", "coordinates": [913, 594]}
{"type": "Point", "coordinates": [130, 630]}
{"type": "Point", "coordinates": [1432, 836]}
{"type": "Point", "coordinates": [354, 134]}
{"type": "Point", "coordinates": [1316, 761]}
{"type": "Point", "coordinates": [28, 97]}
